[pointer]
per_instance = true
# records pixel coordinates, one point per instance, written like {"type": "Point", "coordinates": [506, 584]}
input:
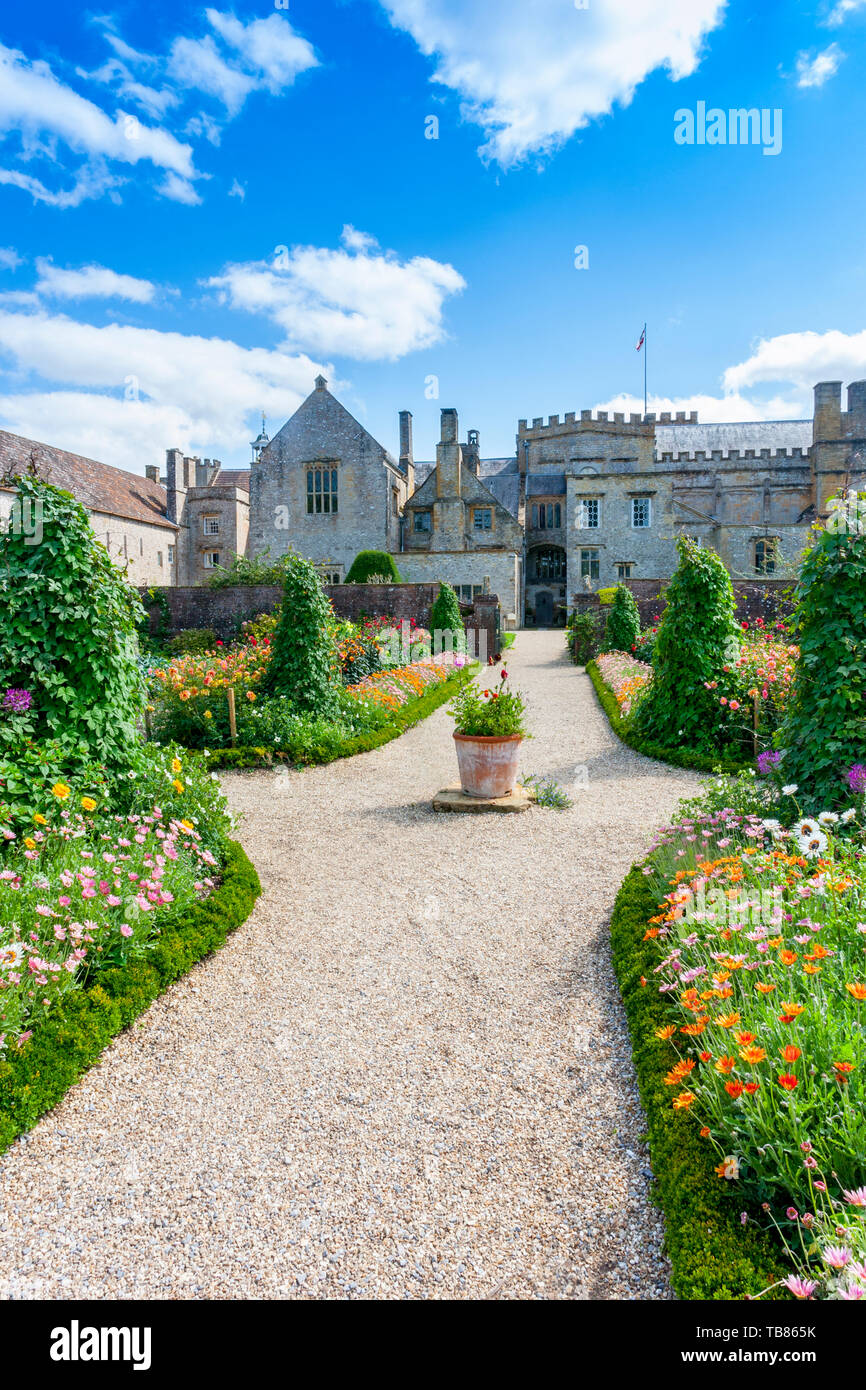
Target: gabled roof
{"type": "Point", "coordinates": [99, 486]}
{"type": "Point", "coordinates": [233, 477]}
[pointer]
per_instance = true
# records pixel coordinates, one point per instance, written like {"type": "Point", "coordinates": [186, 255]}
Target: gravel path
{"type": "Point", "coordinates": [407, 1075]}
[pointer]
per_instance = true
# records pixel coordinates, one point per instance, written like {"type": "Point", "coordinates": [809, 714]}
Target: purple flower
{"type": "Point", "coordinates": [767, 761]}
{"type": "Point", "coordinates": [17, 700]}
{"type": "Point", "coordinates": [857, 778]}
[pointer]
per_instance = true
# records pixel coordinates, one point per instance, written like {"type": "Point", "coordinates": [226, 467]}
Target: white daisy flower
{"type": "Point", "coordinates": [810, 839]}
{"type": "Point", "coordinates": [10, 955]}
{"type": "Point", "coordinates": [848, 815]}
{"type": "Point", "coordinates": [828, 817]}
{"type": "Point", "coordinates": [789, 789]}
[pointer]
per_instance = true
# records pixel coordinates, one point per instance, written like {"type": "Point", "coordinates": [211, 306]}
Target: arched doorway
{"type": "Point", "coordinates": [546, 584]}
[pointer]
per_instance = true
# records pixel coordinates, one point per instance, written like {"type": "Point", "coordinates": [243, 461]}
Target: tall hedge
{"type": "Point", "coordinates": [373, 564]}
{"type": "Point", "coordinates": [623, 622]}
{"type": "Point", "coordinates": [445, 617]}
{"type": "Point", "coordinates": [304, 665]}
{"type": "Point", "coordinates": [698, 634]}
{"type": "Point", "coordinates": [69, 624]}
{"type": "Point", "coordinates": [824, 733]}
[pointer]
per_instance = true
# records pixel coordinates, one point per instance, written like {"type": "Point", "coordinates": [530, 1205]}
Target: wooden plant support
{"type": "Point", "coordinates": [755, 725]}
{"type": "Point", "coordinates": [233, 723]}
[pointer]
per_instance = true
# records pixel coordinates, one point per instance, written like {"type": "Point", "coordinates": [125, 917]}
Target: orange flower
{"type": "Point", "coordinates": [753, 1055]}
{"type": "Point", "coordinates": [693, 1030]}
{"type": "Point", "coordinates": [706, 1056]}
{"type": "Point", "coordinates": [734, 1089]}
{"type": "Point", "coordinates": [751, 1087]}
{"type": "Point", "coordinates": [667, 1032]}
{"type": "Point", "coordinates": [727, 1020]}
{"type": "Point", "coordinates": [725, 1065]}
{"type": "Point", "coordinates": [650, 933]}
{"type": "Point", "coordinates": [857, 992]}
{"type": "Point", "coordinates": [744, 1038]}
{"type": "Point", "coordinates": [843, 1070]}
{"type": "Point", "coordinates": [790, 1053]}
{"type": "Point", "coordinates": [789, 1082]}
{"type": "Point", "coordinates": [764, 989]}
{"type": "Point", "coordinates": [684, 1100]}
{"type": "Point", "coordinates": [791, 1011]}
{"type": "Point", "coordinates": [811, 969]}
{"type": "Point", "coordinates": [787, 957]}
{"type": "Point", "coordinates": [705, 1132]}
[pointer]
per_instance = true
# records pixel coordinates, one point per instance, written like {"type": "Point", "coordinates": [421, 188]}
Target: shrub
{"type": "Point", "coordinates": [193, 641]}
{"type": "Point", "coordinates": [445, 617]}
{"type": "Point", "coordinates": [824, 731]}
{"type": "Point", "coordinates": [261, 569]}
{"type": "Point", "coordinates": [697, 636]}
{"type": "Point", "coordinates": [583, 635]}
{"type": "Point", "coordinates": [304, 664]}
{"type": "Point", "coordinates": [645, 646]}
{"type": "Point", "coordinates": [69, 631]}
{"type": "Point", "coordinates": [622, 630]}
{"type": "Point", "coordinates": [373, 564]}
{"type": "Point", "coordinates": [489, 713]}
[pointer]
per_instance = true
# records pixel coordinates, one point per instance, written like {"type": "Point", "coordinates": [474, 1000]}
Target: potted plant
{"type": "Point", "coordinates": [490, 727]}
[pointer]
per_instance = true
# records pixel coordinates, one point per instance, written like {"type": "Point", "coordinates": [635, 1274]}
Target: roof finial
{"type": "Point", "coordinates": [321, 382]}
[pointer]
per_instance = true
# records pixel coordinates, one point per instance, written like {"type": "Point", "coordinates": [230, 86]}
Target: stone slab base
{"type": "Point", "coordinates": [453, 799]}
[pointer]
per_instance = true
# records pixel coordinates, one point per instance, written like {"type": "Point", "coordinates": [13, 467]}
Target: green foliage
{"type": "Point", "coordinates": [304, 665]}
{"type": "Point", "coordinates": [193, 641]}
{"type": "Point", "coordinates": [489, 713]}
{"type": "Point", "coordinates": [712, 1255]}
{"type": "Point", "coordinates": [69, 631]}
{"type": "Point", "coordinates": [261, 569]}
{"type": "Point", "coordinates": [744, 793]}
{"type": "Point", "coordinates": [697, 636]}
{"type": "Point", "coordinates": [645, 645]}
{"type": "Point", "coordinates": [625, 730]}
{"type": "Point", "coordinates": [622, 630]}
{"type": "Point", "coordinates": [373, 564]}
{"type": "Point", "coordinates": [70, 1039]}
{"type": "Point", "coordinates": [824, 732]}
{"type": "Point", "coordinates": [445, 616]}
{"type": "Point", "coordinates": [583, 636]}
{"type": "Point", "coordinates": [150, 780]}
{"type": "Point", "coordinates": [546, 792]}
{"type": "Point", "coordinates": [606, 596]}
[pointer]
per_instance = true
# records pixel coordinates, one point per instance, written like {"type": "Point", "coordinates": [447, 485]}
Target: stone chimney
{"type": "Point", "coordinates": [472, 452]}
{"type": "Point", "coordinates": [448, 507]}
{"type": "Point", "coordinates": [857, 409]}
{"type": "Point", "coordinates": [151, 472]}
{"type": "Point", "coordinates": [827, 422]}
{"type": "Point", "coordinates": [176, 482]}
{"type": "Point", "coordinates": [407, 457]}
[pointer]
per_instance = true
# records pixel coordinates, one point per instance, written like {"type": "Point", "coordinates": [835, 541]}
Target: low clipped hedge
{"type": "Point", "coordinates": [678, 757]}
{"type": "Point", "coordinates": [306, 755]}
{"type": "Point", "coordinates": [712, 1255]}
{"type": "Point", "coordinates": [36, 1077]}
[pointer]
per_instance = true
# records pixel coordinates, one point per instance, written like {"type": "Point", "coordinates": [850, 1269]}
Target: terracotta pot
{"type": "Point", "coordinates": [488, 766]}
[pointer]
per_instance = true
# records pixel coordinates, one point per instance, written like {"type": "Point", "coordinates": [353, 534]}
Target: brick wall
{"type": "Point", "coordinates": [224, 610]}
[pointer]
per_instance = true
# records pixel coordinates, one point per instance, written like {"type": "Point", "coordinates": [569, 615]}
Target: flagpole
{"type": "Point", "coordinates": [644, 372]}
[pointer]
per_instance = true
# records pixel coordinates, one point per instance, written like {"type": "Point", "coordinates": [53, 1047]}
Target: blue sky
{"type": "Point", "coordinates": [200, 208]}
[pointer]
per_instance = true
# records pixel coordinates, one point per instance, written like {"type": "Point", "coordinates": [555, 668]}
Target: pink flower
{"type": "Point", "coordinates": [801, 1288]}
{"type": "Point", "coordinates": [126, 930]}
{"type": "Point", "coordinates": [857, 1198]}
{"type": "Point", "coordinates": [837, 1256]}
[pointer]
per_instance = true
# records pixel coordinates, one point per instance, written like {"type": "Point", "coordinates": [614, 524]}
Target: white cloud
{"type": "Point", "coordinates": [713, 409]}
{"type": "Point", "coordinates": [802, 359]}
{"type": "Point", "coordinates": [38, 106]}
{"type": "Point", "coordinates": [533, 74]}
{"type": "Point", "coordinates": [9, 258]}
{"type": "Point", "coordinates": [199, 394]}
{"type": "Point", "coordinates": [357, 301]}
{"type": "Point", "coordinates": [237, 190]}
{"type": "Point", "coordinates": [814, 69]}
{"type": "Point", "coordinates": [264, 54]}
{"type": "Point", "coordinates": [841, 11]}
{"type": "Point", "coordinates": [91, 282]}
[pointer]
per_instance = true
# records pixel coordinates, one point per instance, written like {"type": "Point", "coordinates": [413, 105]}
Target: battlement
{"type": "Point", "coordinates": [570, 422]}
{"type": "Point", "coordinates": [736, 456]}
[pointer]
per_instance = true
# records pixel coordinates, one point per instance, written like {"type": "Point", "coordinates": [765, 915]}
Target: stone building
{"type": "Point", "coordinates": [210, 506]}
{"type": "Point", "coordinates": [128, 513]}
{"type": "Point", "coordinates": [326, 488]}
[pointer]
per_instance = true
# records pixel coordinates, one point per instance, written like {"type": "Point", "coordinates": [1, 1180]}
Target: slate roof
{"type": "Point", "coordinates": [99, 486]}
{"type": "Point", "coordinates": [545, 484]}
{"type": "Point", "coordinates": [499, 476]}
{"type": "Point", "coordinates": [233, 477]}
{"type": "Point", "coordinates": [742, 435]}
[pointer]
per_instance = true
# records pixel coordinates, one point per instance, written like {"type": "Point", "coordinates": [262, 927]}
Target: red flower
{"type": "Point", "coordinates": [789, 1082]}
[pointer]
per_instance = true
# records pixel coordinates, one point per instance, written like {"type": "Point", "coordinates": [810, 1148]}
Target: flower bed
{"type": "Point", "coordinates": [392, 689]}
{"type": "Point", "coordinates": [757, 963]}
{"type": "Point", "coordinates": [625, 676]}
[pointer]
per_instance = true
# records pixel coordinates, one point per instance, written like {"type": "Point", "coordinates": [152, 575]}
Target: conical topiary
{"type": "Point", "coordinates": [623, 622]}
{"type": "Point", "coordinates": [304, 665]}
{"type": "Point", "coordinates": [444, 619]}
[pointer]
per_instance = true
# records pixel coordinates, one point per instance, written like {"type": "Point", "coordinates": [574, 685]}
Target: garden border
{"type": "Point", "coordinates": [712, 1256]}
{"type": "Point", "coordinates": [402, 719]}
{"type": "Point", "coordinates": [35, 1078]}
{"type": "Point", "coordinates": [698, 762]}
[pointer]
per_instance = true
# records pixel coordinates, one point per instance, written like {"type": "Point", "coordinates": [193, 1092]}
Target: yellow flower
{"type": "Point", "coordinates": [175, 764]}
{"type": "Point", "coordinates": [208, 714]}
{"type": "Point", "coordinates": [88, 803]}
{"type": "Point", "coordinates": [251, 694]}
{"type": "Point", "coordinates": [178, 786]}
{"type": "Point", "coordinates": [40, 820]}
{"type": "Point", "coordinates": [187, 824]}
{"type": "Point", "coordinates": [31, 844]}
{"type": "Point", "coordinates": [60, 790]}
